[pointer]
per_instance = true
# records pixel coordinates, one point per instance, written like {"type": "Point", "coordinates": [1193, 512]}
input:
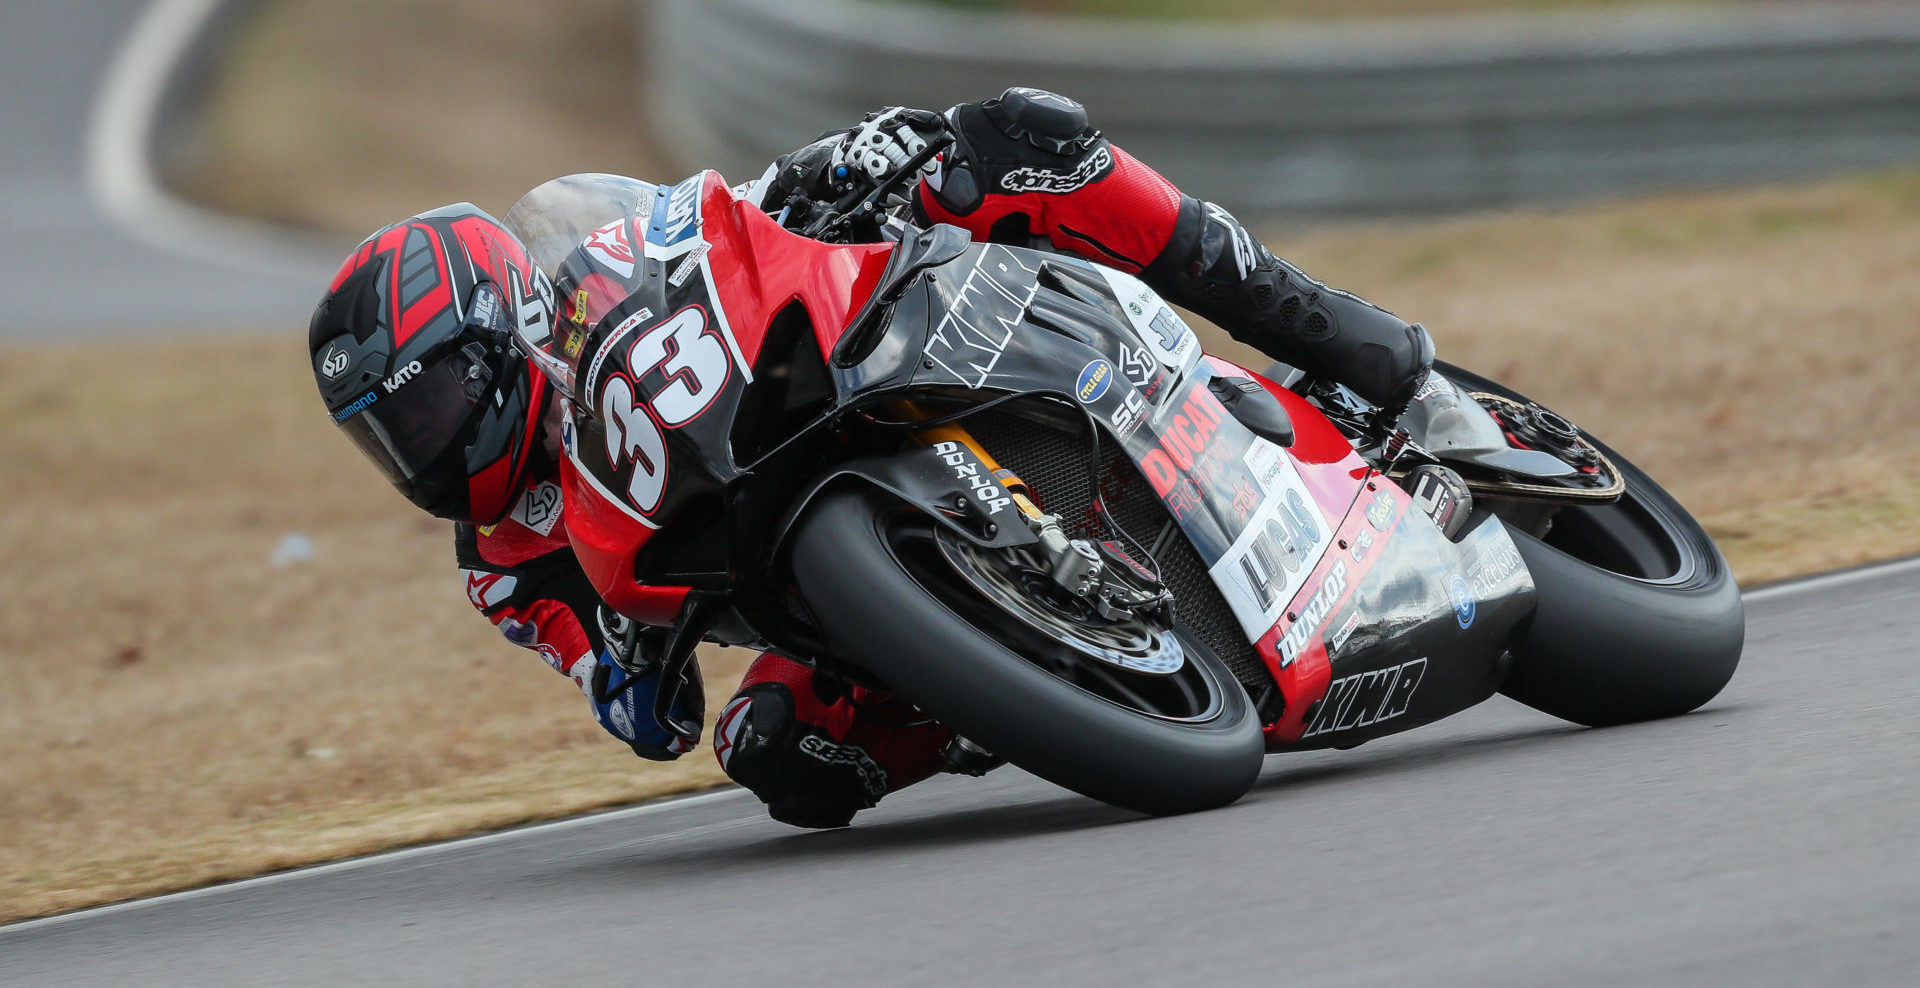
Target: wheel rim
{"type": "Point", "coordinates": [1190, 694]}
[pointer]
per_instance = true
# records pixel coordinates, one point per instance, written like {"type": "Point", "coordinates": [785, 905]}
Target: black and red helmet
{"type": "Point", "coordinates": [413, 352]}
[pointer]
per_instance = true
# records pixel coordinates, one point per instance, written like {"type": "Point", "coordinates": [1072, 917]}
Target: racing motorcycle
{"type": "Point", "coordinates": [1008, 486]}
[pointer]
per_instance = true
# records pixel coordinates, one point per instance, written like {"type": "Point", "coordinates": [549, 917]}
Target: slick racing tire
{"type": "Point", "coordinates": [1638, 615]}
{"type": "Point", "coordinates": [884, 607]}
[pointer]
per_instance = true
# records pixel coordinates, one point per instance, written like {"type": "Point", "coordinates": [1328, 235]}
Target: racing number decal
{"type": "Point", "coordinates": [697, 365]}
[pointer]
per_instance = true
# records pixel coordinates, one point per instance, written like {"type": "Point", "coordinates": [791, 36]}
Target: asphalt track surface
{"type": "Point", "coordinates": [1772, 838]}
{"type": "Point", "coordinates": [72, 266]}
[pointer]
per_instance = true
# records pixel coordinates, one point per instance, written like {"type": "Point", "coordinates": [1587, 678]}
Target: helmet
{"type": "Point", "coordinates": [413, 351]}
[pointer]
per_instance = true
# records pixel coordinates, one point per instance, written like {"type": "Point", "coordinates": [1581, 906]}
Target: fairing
{"type": "Point", "coordinates": [1367, 618]}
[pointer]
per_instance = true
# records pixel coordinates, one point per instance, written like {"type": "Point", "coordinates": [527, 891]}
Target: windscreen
{"type": "Point", "coordinates": [553, 220]}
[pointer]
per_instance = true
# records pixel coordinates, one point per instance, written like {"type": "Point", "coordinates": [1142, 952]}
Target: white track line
{"type": "Point", "coordinates": [389, 857]}
{"type": "Point", "coordinates": [1828, 581]}
{"type": "Point", "coordinates": [120, 173]}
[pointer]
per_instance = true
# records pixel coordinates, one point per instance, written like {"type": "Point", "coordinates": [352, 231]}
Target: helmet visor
{"type": "Point", "coordinates": [404, 431]}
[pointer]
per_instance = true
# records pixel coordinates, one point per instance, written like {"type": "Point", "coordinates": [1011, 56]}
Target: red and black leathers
{"type": "Point", "coordinates": [1028, 168]}
{"type": "Point", "coordinates": [1025, 169]}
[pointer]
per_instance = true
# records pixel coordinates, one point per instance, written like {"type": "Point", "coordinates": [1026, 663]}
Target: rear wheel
{"type": "Point", "coordinates": [1125, 730]}
{"type": "Point", "coordinates": [1638, 617]}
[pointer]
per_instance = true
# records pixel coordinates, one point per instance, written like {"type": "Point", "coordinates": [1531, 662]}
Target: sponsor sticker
{"type": "Point", "coordinates": [689, 263]}
{"type": "Point", "coordinates": [1342, 631]}
{"type": "Point", "coordinates": [1367, 698]}
{"type": "Point", "coordinates": [1272, 558]}
{"type": "Point", "coordinates": [1489, 572]}
{"type": "Point", "coordinates": [968, 469]}
{"type": "Point", "coordinates": [985, 314]}
{"type": "Point", "coordinates": [872, 776]}
{"type": "Point", "coordinates": [1167, 336]}
{"type": "Point", "coordinates": [1047, 180]}
{"type": "Point", "coordinates": [1380, 512]}
{"type": "Point", "coordinates": [1136, 365]}
{"type": "Point", "coordinates": [1464, 604]}
{"type": "Point", "coordinates": [401, 377]}
{"type": "Point", "coordinates": [610, 247]}
{"type": "Point", "coordinates": [335, 363]}
{"type": "Point", "coordinates": [359, 405]}
{"type": "Point", "coordinates": [539, 508]}
{"type": "Point", "coordinates": [488, 590]}
{"type": "Point", "coordinates": [1312, 616]}
{"type": "Point", "coordinates": [1130, 413]}
{"type": "Point", "coordinates": [682, 208]}
{"type": "Point", "coordinates": [1362, 541]}
{"type": "Point", "coordinates": [1094, 380]}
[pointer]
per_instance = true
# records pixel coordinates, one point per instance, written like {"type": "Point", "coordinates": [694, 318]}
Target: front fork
{"type": "Point", "coordinates": [1078, 566]}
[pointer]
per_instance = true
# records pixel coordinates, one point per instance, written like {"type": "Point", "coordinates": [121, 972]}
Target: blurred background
{"type": "Point", "coordinates": [1692, 226]}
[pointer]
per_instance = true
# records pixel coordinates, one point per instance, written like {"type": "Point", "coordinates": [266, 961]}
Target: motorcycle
{"type": "Point", "coordinates": [1009, 487]}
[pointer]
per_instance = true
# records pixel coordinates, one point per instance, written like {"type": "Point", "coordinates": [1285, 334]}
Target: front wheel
{"type": "Point", "coordinates": [1638, 615]}
{"type": "Point", "coordinates": [888, 600]}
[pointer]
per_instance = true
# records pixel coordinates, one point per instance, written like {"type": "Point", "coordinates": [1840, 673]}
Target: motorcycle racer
{"type": "Point", "coordinates": [435, 394]}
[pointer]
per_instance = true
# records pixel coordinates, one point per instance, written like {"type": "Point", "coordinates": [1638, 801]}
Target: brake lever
{"type": "Point", "coordinates": [856, 203]}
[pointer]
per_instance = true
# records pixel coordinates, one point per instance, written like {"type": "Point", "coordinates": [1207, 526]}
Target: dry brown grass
{"type": "Point", "coordinates": [179, 711]}
{"type": "Point", "coordinates": [346, 115]}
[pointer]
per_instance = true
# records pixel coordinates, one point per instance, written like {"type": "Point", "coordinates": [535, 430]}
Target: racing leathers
{"type": "Point", "coordinates": [1024, 168]}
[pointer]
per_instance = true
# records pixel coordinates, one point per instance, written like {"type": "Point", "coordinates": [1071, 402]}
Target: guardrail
{"type": "Point", "coordinates": [1380, 118]}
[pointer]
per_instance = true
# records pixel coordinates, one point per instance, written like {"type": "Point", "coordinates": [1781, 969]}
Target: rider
{"type": "Point", "coordinates": [465, 427]}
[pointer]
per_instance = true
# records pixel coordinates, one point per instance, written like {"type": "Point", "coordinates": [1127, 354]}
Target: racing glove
{"type": "Point", "coordinates": [843, 161]}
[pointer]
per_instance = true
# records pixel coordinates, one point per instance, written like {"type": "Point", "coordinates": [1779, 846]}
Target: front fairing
{"type": "Point", "coordinates": [1343, 587]}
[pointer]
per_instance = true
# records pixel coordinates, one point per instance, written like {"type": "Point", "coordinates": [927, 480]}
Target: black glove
{"type": "Point", "coordinates": [845, 161]}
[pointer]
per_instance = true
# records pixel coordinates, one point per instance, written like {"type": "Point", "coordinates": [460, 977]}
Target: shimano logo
{"type": "Point", "coordinates": [356, 408]}
{"type": "Point", "coordinates": [1312, 616]}
{"type": "Point", "coordinates": [335, 364]}
{"type": "Point", "coordinates": [400, 377]}
{"type": "Point", "coordinates": [1045, 180]}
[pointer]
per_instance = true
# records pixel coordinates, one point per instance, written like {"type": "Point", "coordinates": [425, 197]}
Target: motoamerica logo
{"type": "Point", "coordinates": [1045, 180]}
{"type": "Point", "coordinates": [1312, 616]}
{"type": "Point", "coordinates": [1367, 698]}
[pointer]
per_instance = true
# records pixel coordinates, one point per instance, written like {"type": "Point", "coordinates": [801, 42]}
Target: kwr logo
{"type": "Point", "coordinates": [400, 377]}
{"type": "Point", "coordinates": [1367, 698]}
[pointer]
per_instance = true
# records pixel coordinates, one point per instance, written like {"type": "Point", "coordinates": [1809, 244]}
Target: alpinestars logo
{"type": "Point", "coordinates": [872, 777]}
{"type": "Point", "coordinates": [335, 364]}
{"type": "Point", "coordinates": [1044, 180]}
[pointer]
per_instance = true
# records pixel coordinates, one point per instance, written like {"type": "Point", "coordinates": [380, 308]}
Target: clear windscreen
{"type": "Point", "coordinates": [553, 220]}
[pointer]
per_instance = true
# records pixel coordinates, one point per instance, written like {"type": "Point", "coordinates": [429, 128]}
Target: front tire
{"type": "Point", "coordinates": [889, 617]}
{"type": "Point", "coordinates": [1638, 614]}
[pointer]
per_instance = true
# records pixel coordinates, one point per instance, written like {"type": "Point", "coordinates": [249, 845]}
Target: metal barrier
{"type": "Point", "coordinates": [1353, 119]}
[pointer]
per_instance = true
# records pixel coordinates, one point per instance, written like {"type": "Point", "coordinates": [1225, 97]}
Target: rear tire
{"type": "Point", "coordinates": [1638, 614]}
{"type": "Point", "coordinates": [875, 612]}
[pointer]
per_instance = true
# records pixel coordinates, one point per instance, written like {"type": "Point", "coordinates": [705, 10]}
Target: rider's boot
{"type": "Point", "coordinates": [816, 749]}
{"type": "Point", "coordinates": [1213, 266]}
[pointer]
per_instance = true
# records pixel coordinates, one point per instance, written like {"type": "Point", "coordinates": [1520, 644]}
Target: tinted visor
{"type": "Point", "coordinates": [406, 432]}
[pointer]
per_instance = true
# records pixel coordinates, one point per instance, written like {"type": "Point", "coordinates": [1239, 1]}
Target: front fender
{"type": "Point", "coordinates": [944, 481]}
